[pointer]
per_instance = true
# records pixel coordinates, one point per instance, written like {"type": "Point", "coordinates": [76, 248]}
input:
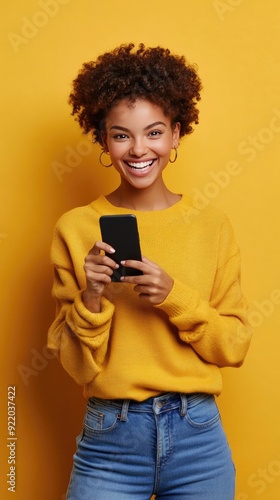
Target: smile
{"type": "Point", "coordinates": [140, 165]}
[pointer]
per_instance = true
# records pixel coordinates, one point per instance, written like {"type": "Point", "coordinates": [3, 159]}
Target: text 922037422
{"type": "Point", "coordinates": [11, 438]}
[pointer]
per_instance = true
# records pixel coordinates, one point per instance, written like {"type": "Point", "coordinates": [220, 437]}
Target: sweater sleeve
{"type": "Point", "coordinates": [77, 336]}
{"type": "Point", "coordinates": [218, 328]}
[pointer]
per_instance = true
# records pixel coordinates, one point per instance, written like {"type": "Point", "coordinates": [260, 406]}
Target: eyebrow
{"type": "Point", "coordinates": [118, 127]}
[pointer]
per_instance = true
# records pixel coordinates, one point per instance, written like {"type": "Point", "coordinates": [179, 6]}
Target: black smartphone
{"type": "Point", "coordinates": [121, 232]}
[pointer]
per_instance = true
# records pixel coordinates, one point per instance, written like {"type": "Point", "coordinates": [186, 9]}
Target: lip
{"type": "Point", "coordinates": [140, 168]}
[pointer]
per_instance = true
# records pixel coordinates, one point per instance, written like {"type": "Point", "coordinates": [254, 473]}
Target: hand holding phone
{"type": "Point", "coordinates": [121, 232]}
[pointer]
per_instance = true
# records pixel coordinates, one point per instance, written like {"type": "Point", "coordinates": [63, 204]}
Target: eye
{"type": "Point", "coordinates": [155, 133]}
{"type": "Point", "coordinates": [120, 137]}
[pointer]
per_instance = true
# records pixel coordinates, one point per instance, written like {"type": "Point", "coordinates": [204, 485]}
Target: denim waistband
{"type": "Point", "coordinates": [157, 404]}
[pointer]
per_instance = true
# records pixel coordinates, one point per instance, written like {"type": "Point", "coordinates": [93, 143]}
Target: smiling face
{"type": "Point", "coordinates": [139, 138]}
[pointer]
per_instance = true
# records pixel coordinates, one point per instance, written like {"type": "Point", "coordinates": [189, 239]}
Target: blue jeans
{"type": "Point", "coordinates": [172, 446]}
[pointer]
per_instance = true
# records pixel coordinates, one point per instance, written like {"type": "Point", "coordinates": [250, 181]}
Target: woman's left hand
{"type": "Point", "coordinates": [153, 285]}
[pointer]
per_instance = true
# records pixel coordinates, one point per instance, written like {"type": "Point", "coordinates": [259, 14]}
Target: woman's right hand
{"type": "Point", "coordinates": [99, 269]}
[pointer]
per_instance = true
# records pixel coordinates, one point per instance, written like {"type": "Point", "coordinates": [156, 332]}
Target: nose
{"type": "Point", "coordinates": [138, 147]}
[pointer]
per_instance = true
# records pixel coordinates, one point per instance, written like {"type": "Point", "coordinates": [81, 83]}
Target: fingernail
{"type": "Point", "coordinates": [112, 250]}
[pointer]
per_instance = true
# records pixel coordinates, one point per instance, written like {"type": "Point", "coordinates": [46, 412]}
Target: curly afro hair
{"type": "Point", "coordinates": [146, 73]}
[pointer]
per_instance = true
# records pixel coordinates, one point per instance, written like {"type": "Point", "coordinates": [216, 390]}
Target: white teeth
{"type": "Point", "coordinates": [142, 164]}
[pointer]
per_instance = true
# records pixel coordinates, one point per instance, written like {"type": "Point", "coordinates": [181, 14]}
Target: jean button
{"type": "Point", "coordinates": [160, 404]}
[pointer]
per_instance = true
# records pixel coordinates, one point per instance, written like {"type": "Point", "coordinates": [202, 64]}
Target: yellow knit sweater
{"type": "Point", "coordinates": [135, 350]}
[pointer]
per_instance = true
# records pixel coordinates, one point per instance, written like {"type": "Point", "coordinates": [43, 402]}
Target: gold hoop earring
{"type": "Point", "coordinates": [175, 157]}
{"type": "Point", "coordinates": [100, 159]}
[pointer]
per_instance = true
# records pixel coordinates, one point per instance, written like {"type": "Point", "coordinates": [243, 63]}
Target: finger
{"type": "Point", "coordinates": [100, 260]}
{"type": "Point", "coordinates": [135, 280]}
{"type": "Point", "coordinates": [143, 289]}
{"type": "Point", "coordinates": [93, 272]}
{"type": "Point", "coordinates": [149, 262]}
{"type": "Point", "coordinates": [136, 264]}
{"type": "Point", "coordinates": [101, 245]}
{"type": "Point", "coordinates": [143, 265]}
{"type": "Point", "coordinates": [98, 278]}
{"type": "Point", "coordinates": [146, 297]}
{"type": "Point", "coordinates": [98, 274]}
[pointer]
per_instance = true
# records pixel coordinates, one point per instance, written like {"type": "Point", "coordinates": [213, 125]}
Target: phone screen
{"type": "Point", "coordinates": [121, 232]}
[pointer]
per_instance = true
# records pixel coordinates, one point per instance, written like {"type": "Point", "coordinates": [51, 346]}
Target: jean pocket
{"type": "Point", "coordinates": [202, 410]}
{"type": "Point", "coordinates": [100, 419]}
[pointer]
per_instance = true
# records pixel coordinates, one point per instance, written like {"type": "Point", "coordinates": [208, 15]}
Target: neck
{"type": "Point", "coordinates": [143, 199]}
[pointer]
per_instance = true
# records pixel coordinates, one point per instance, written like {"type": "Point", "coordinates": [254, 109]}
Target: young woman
{"type": "Point", "coordinates": [147, 350]}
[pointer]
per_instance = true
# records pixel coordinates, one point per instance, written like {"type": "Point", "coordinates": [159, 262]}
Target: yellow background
{"type": "Point", "coordinates": [232, 160]}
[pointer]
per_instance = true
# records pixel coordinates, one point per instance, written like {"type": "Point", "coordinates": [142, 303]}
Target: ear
{"type": "Point", "coordinates": [176, 135]}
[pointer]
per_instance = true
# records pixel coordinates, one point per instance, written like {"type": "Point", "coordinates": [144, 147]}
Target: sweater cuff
{"type": "Point", "coordinates": [87, 322]}
{"type": "Point", "coordinates": [187, 311]}
{"type": "Point", "coordinates": [180, 300]}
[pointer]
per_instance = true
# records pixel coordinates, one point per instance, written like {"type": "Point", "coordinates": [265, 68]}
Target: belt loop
{"type": "Point", "coordinates": [124, 411]}
{"type": "Point", "coordinates": [184, 405]}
